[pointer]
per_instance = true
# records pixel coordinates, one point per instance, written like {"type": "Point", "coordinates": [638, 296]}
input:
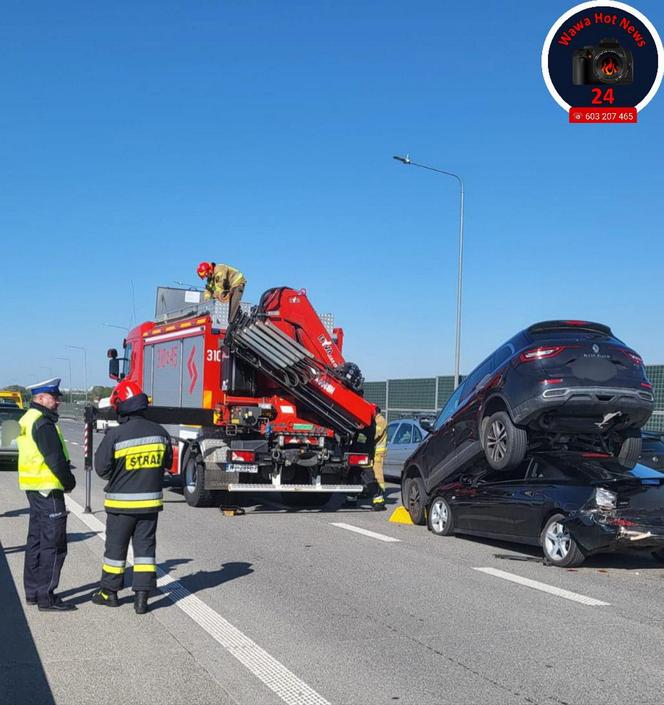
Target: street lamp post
{"type": "Point", "coordinates": [85, 366]}
{"type": "Point", "coordinates": [457, 352]}
{"type": "Point", "coordinates": [70, 387]}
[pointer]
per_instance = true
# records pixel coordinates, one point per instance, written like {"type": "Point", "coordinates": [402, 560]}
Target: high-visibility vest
{"type": "Point", "coordinates": [33, 472]}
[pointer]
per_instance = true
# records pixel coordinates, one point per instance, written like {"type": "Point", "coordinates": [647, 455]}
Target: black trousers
{"type": "Point", "coordinates": [141, 529]}
{"type": "Point", "coordinates": [46, 545]}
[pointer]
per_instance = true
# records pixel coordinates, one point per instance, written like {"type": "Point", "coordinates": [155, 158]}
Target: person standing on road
{"type": "Point", "coordinates": [374, 439]}
{"type": "Point", "coordinates": [380, 449]}
{"type": "Point", "coordinates": [223, 283]}
{"type": "Point", "coordinates": [44, 472]}
{"type": "Point", "coordinates": [132, 458]}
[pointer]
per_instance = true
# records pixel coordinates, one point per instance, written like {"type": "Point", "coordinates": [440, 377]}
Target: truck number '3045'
{"type": "Point", "coordinates": [213, 356]}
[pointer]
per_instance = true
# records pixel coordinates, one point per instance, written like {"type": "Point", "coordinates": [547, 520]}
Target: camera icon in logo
{"type": "Point", "coordinates": [608, 63]}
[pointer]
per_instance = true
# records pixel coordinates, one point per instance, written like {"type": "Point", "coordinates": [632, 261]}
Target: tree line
{"type": "Point", "coordinates": [77, 395]}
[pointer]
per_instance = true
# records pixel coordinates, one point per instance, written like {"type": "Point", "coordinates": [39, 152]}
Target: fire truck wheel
{"type": "Point", "coordinates": [194, 493]}
{"type": "Point", "coordinates": [305, 499]}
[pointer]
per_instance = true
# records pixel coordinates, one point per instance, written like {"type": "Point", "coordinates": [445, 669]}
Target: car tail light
{"type": "Point", "coordinates": [646, 385]}
{"type": "Point", "coordinates": [243, 456]}
{"type": "Point", "coordinates": [541, 353]}
{"type": "Point", "coordinates": [621, 522]}
{"type": "Point", "coordinates": [576, 323]}
{"type": "Point", "coordinates": [556, 380]}
{"type": "Point", "coordinates": [636, 359]}
{"type": "Point", "coordinates": [595, 455]}
{"type": "Point", "coordinates": [358, 459]}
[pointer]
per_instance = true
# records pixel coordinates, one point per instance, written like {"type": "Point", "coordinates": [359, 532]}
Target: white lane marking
{"type": "Point", "coordinates": [266, 668]}
{"type": "Point", "coordinates": [365, 532]}
{"type": "Point", "coordinates": [536, 585]}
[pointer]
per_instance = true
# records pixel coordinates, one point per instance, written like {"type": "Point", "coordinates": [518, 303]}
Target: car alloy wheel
{"type": "Point", "coordinates": [439, 516]}
{"type": "Point", "coordinates": [557, 541]}
{"type": "Point", "coordinates": [414, 499]}
{"type": "Point", "coordinates": [496, 440]}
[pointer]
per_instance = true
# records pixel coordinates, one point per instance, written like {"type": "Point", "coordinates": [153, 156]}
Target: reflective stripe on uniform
{"type": "Point", "coordinates": [146, 560]}
{"type": "Point", "coordinates": [134, 495]}
{"type": "Point", "coordinates": [112, 569]}
{"type": "Point", "coordinates": [143, 448]}
{"type": "Point", "coordinates": [145, 568]}
{"type": "Point", "coordinates": [132, 503]}
{"type": "Point", "coordinates": [146, 440]}
{"type": "Point", "coordinates": [113, 562]}
{"type": "Point", "coordinates": [136, 500]}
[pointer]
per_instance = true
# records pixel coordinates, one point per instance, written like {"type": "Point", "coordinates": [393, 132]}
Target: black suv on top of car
{"type": "Point", "coordinates": [558, 384]}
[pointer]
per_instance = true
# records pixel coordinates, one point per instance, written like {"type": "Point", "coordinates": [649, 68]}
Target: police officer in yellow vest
{"type": "Point", "coordinates": [44, 472]}
{"type": "Point", "coordinates": [131, 458]}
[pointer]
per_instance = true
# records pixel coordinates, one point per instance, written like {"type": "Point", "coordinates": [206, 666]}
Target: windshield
{"type": "Point", "coordinates": [9, 428]}
{"type": "Point", "coordinates": [601, 469]}
{"type": "Point", "coordinates": [126, 362]}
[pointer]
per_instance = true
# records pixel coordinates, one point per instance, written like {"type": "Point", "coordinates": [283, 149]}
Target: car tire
{"type": "Point", "coordinates": [440, 519]}
{"type": "Point", "coordinates": [194, 492]}
{"type": "Point", "coordinates": [504, 443]}
{"type": "Point", "coordinates": [630, 451]}
{"type": "Point", "coordinates": [416, 499]}
{"type": "Point", "coordinates": [559, 548]}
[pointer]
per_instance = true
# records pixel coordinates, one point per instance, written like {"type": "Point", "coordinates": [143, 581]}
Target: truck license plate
{"type": "Point", "coordinates": [241, 467]}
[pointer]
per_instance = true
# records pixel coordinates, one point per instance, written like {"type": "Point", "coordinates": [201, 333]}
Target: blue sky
{"type": "Point", "coordinates": [142, 137]}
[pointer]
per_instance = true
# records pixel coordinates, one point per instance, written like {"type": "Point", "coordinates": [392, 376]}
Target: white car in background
{"type": "Point", "coordinates": [104, 424]}
{"type": "Point", "coordinates": [403, 437]}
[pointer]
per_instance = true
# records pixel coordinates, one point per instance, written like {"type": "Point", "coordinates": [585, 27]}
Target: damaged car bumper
{"type": "Point", "coordinates": [598, 531]}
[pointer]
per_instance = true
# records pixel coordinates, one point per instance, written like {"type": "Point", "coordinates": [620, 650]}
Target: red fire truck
{"type": "Point", "coordinates": [265, 403]}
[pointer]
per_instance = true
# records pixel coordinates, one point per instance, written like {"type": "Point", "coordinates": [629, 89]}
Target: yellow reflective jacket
{"type": "Point", "coordinates": [223, 280]}
{"type": "Point", "coordinates": [381, 434]}
{"type": "Point", "coordinates": [33, 472]}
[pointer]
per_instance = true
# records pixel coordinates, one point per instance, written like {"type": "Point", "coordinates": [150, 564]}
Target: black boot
{"type": "Point", "coordinates": [141, 601]}
{"type": "Point", "coordinates": [108, 598]}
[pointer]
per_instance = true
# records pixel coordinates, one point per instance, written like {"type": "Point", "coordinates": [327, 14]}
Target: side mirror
{"type": "Point", "coordinates": [114, 368]}
{"type": "Point", "coordinates": [111, 353]}
{"type": "Point", "coordinates": [426, 424]}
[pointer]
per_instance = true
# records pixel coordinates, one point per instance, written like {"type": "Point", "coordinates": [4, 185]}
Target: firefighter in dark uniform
{"type": "Point", "coordinates": [44, 472]}
{"type": "Point", "coordinates": [132, 458]}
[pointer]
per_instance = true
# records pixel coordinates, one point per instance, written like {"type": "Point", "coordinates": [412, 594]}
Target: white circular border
{"type": "Point", "coordinates": [601, 3]}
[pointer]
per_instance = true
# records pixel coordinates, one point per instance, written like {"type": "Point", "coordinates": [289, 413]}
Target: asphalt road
{"type": "Point", "coordinates": [282, 606]}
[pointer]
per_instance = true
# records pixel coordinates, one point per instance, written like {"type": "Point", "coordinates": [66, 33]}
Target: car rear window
{"type": "Point", "coordinates": [568, 333]}
{"type": "Point", "coordinates": [589, 468]}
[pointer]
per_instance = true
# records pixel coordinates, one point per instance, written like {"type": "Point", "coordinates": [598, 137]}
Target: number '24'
{"type": "Point", "coordinates": [606, 98]}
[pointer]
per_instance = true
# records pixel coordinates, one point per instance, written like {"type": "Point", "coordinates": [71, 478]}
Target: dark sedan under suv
{"type": "Point", "coordinates": [571, 504]}
{"type": "Point", "coordinates": [566, 385]}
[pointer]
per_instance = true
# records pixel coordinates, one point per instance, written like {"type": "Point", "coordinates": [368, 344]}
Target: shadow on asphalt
{"type": "Point", "coordinates": [15, 513]}
{"type": "Point", "coordinates": [635, 560]}
{"type": "Point", "coordinates": [22, 677]}
{"type": "Point", "coordinates": [71, 538]}
{"type": "Point", "coordinates": [274, 502]}
{"type": "Point", "coordinates": [201, 580]}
